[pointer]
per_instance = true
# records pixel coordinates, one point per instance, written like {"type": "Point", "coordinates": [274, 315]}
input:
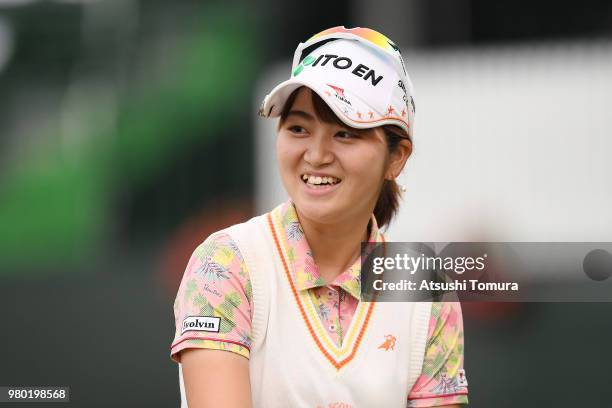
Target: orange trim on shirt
{"type": "Point", "coordinates": [337, 364]}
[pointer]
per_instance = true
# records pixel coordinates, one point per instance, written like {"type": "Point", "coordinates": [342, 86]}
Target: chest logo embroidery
{"type": "Point", "coordinates": [389, 343]}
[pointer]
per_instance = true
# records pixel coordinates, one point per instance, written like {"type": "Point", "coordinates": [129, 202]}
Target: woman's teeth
{"type": "Point", "coordinates": [316, 180]}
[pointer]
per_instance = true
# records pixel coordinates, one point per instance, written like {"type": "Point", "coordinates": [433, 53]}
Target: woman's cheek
{"type": "Point", "coordinates": [368, 167]}
{"type": "Point", "coordinates": [283, 155]}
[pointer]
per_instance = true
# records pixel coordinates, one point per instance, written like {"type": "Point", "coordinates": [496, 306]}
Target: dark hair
{"type": "Point", "coordinates": [388, 199]}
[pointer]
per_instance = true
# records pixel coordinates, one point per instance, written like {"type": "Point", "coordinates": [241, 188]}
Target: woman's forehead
{"type": "Point", "coordinates": [304, 102]}
{"type": "Point", "coordinates": [304, 99]}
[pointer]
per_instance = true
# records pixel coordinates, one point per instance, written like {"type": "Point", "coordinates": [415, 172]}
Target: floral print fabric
{"type": "Point", "coordinates": [216, 283]}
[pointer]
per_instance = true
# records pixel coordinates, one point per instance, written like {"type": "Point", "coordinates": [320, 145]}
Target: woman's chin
{"type": "Point", "coordinates": [318, 210]}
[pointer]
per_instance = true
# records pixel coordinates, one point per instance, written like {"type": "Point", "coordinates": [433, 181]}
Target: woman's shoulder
{"type": "Point", "coordinates": [219, 240]}
{"type": "Point", "coordinates": [252, 229]}
{"type": "Point", "coordinates": [236, 243]}
{"type": "Point", "coordinates": [217, 256]}
{"type": "Point", "coordinates": [230, 239]}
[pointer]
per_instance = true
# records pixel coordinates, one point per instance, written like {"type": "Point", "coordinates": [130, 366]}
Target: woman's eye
{"type": "Point", "coordinates": [297, 129]}
{"type": "Point", "coordinates": [343, 134]}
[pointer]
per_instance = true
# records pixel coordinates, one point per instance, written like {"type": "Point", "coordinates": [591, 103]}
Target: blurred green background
{"type": "Point", "coordinates": [126, 137]}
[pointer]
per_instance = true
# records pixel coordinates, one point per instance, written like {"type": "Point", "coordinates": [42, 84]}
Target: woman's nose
{"type": "Point", "coordinates": [319, 151]}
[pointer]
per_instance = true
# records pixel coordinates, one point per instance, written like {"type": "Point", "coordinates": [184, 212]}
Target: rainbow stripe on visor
{"type": "Point", "coordinates": [367, 35]}
{"type": "Point", "coordinates": [376, 38]}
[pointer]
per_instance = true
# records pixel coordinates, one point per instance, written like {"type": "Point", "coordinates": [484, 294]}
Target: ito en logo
{"type": "Point", "coordinates": [305, 62]}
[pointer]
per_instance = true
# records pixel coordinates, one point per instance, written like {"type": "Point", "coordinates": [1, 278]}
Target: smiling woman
{"type": "Point", "coordinates": [307, 117]}
{"type": "Point", "coordinates": [269, 312]}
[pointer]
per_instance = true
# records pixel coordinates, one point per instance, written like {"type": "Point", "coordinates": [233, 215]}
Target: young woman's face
{"type": "Point", "coordinates": [330, 172]}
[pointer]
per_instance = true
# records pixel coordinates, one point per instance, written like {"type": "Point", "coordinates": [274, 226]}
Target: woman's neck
{"type": "Point", "coordinates": [335, 247]}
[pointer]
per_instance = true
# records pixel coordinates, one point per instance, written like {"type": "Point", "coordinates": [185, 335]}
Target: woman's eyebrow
{"type": "Point", "coordinates": [301, 114]}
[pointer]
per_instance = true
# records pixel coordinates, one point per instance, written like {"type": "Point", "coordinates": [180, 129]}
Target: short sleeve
{"type": "Point", "coordinates": [442, 380]}
{"type": "Point", "coordinates": [213, 306]}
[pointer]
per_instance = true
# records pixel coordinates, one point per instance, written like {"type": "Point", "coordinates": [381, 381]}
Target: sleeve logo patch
{"type": "Point", "coordinates": [201, 323]}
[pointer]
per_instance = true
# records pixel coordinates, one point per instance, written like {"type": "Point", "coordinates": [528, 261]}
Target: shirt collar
{"type": "Point", "coordinates": [304, 271]}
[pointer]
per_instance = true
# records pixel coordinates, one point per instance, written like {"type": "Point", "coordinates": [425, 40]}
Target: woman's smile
{"type": "Point", "coordinates": [317, 184]}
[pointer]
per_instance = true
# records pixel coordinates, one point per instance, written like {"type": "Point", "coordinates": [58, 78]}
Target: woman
{"type": "Point", "coordinates": [268, 313]}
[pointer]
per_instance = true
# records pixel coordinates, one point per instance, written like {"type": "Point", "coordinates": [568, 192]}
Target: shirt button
{"type": "Point", "coordinates": [332, 327]}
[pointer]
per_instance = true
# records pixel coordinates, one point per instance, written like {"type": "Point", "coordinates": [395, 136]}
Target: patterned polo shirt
{"type": "Point", "coordinates": [216, 283]}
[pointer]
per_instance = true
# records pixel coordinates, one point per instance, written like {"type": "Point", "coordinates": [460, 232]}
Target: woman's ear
{"type": "Point", "coordinates": [397, 159]}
